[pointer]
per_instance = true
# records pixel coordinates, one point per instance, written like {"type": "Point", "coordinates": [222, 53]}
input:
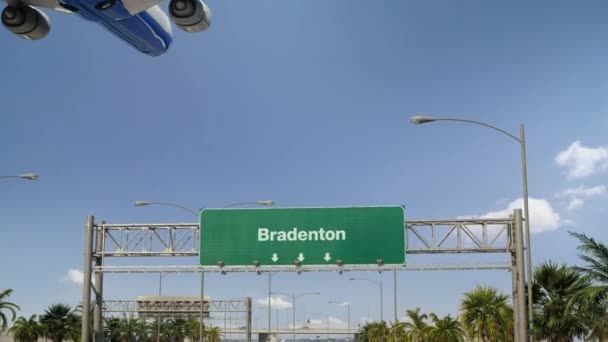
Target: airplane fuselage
{"type": "Point", "coordinates": [148, 31]}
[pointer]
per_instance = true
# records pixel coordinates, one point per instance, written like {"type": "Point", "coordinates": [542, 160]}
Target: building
{"type": "Point", "coordinates": [171, 306]}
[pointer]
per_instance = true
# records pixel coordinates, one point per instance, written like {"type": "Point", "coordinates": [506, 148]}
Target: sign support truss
{"type": "Point", "coordinates": [462, 236]}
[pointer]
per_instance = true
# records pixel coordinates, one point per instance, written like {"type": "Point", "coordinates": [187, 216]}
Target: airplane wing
{"type": "Point", "coordinates": [50, 4]}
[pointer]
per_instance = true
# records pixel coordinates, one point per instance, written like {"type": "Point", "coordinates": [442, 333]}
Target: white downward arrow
{"type": "Point", "coordinates": [301, 257]}
{"type": "Point", "coordinates": [274, 257]}
{"type": "Point", "coordinates": [327, 257]}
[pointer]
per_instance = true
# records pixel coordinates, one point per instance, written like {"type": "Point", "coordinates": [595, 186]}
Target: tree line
{"type": "Point", "coordinates": [569, 302]}
{"type": "Point", "coordinates": [60, 322]}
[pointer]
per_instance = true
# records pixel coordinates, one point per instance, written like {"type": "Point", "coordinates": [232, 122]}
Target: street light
{"type": "Point", "coordinates": [28, 176]}
{"type": "Point", "coordinates": [144, 203]}
{"type": "Point", "coordinates": [160, 287]}
{"type": "Point", "coordinates": [268, 203]}
{"type": "Point", "coordinates": [293, 298]}
{"type": "Point", "coordinates": [348, 305]}
{"type": "Point", "coordinates": [379, 285]}
{"type": "Point", "coordinates": [420, 119]}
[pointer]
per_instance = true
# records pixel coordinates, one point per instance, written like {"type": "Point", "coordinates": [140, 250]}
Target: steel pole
{"type": "Point", "coordinates": [160, 287]}
{"type": "Point", "coordinates": [511, 242]}
{"type": "Point", "coordinates": [202, 327]}
{"type": "Point", "coordinates": [269, 304]}
{"type": "Point", "coordinates": [524, 174]}
{"type": "Point", "coordinates": [86, 286]}
{"type": "Point", "coordinates": [248, 337]}
{"type": "Point", "coordinates": [97, 310]}
{"type": "Point", "coordinates": [294, 316]}
{"type": "Point", "coordinates": [395, 294]}
{"type": "Point", "coordinates": [381, 302]}
{"type": "Point", "coordinates": [519, 255]}
{"type": "Point", "coordinates": [514, 292]}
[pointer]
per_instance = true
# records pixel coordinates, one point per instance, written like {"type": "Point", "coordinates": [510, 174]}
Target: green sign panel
{"type": "Point", "coordinates": [314, 236]}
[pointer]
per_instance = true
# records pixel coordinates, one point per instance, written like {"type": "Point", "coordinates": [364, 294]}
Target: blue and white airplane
{"type": "Point", "coordinates": [140, 23]}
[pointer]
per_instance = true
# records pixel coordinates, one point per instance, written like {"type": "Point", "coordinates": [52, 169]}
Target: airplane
{"type": "Point", "coordinates": [140, 23]}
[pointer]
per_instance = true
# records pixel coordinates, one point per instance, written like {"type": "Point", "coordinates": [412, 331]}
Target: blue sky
{"type": "Point", "coordinates": [306, 103]}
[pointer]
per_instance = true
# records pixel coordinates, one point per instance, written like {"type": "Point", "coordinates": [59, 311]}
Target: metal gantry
{"type": "Point", "coordinates": [463, 236]}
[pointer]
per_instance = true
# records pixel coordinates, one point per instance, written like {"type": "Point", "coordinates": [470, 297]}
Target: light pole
{"type": "Point", "coordinates": [28, 176]}
{"type": "Point", "coordinates": [269, 303]}
{"type": "Point", "coordinates": [347, 304]}
{"type": "Point", "coordinates": [145, 203]}
{"type": "Point", "coordinates": [379, 285]}
{"type": "Point", "coordinates": [160, 289]}
{"type": "Point", "coordinates": [524, 175]}
{"type": "Point", "coordinates": [293, 299]}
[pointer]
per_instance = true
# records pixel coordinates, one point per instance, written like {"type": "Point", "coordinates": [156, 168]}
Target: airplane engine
{"type": "Point", "coordinates": [26, 21]}
{"type": "Point", "coordinates": [190, 15]}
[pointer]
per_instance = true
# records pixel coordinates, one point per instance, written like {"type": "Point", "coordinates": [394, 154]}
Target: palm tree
{"type": "Point", "coordinates": [486, 315]}
{"type": "Point", "coordinates": [112, 329]}
{"type": "Point", "coordinates": [26, 330]}
{"type": "Point", "coordinates": [61, 323]}
{"type": "Point", "coordinates": [152, 329]}
{"type": "Point", "coordinates": [598, 323]}
{"type": "Point", "coordinates": [562, 291]}
{"type": "Point", "coordinates": [213, 334]}
{"type": "Point", "coordinates": [193, 330]}
{"type": "Point", "coordinates": [417, 328]}
{"type": "Point", "coordinates": [176, 330]}
{"type": "Point", "coordinates": [397, 332]}
{"type": "Point", "coordinates": [446, 329]}
{"type": "Point", "coordinates": [132, 330]}
{"type": "Point", "coordinates": [594, 298]}
{"type": "Point", "coordinates": [6, 306]}
{"type": "Point", "coordinates": [595, 254]}
{"type": "Point", "coordinates": [378, 332]}
{"type": "Point", "coordinates": [363, 332]}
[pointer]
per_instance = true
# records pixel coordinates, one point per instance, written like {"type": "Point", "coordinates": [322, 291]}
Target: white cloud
{"type": "Point", "coordinates": [74, 276]}
{"type": "Point", "coordinates": [581, 191]}
{"type": "Point", "coordinates": [542, 216]}
{"type": "Point", "coordinates": [577, 195]}
{"type": "Point", "coordinates": [575, 203]}
{"type": "Point", "coordinates": [581, 161]}
{"type": "Point", "coordinates": [276, 303]}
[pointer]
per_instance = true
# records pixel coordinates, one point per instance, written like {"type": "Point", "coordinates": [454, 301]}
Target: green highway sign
{"type": "Point", "coordinates": [312, 236]}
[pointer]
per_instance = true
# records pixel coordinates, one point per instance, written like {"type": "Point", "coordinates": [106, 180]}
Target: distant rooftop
{"type": "Point", "coordinates": [170, 298]}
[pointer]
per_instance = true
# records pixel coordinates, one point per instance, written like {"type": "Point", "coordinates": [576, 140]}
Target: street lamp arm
{"type": "Point", "coordinates": [266, 203]}
{"type": "Point", "coordinates": [307, 293]}
{"type": "Point", "coordinates": [473, 122]}
{"type": "Point", "coordinates": [28, 176]}
{"type": "Point", "coordinates": [373, 281]}
{"type": "Point", "coordinates": [143, 203]}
